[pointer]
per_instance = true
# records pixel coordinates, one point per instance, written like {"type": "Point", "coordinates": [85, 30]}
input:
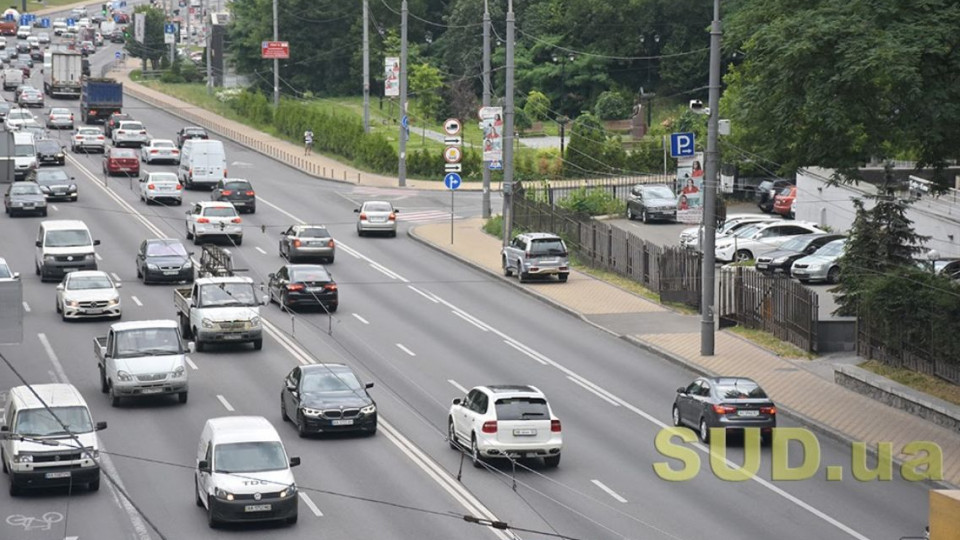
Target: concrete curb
{"type": "Point", "coordinates": [819, 427]}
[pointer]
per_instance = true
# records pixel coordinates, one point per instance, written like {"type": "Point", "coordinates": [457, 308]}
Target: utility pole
{"type": "Point", "coordinates": [508, 131]}
{"type": "Point", "coordinates": [710, 191]}
{"type": "Point", "coordinates": [276, 61]}
{"type": "Point", "coordinates": [402, 166]}
{"type": "Point", "coordinates": [366, 67]}
{"type": "Point", "coordinates": [208, 35]}
{"type": "Point", "coordinates": [485, 201]}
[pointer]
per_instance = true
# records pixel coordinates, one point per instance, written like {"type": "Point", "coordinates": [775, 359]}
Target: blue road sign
{"type": "Point", "coordinates": [8, 17]}
{"type": "Point", "coordinates": [169, 28]}
{"type": "Point", "coordinates": [405, 122]}
{"type": "Point", "coordinates": [45, 22]}
{"type": "Point", "coordinates": [681, 145]}
{"type": "Point", "coordinates": [71, 22]}
{"type": "Point", "coordinates": [117, 55]}
{"type": "Point", "coordinates": [496, 165]}
{"type": "Point", "coordinates": [452, 180]}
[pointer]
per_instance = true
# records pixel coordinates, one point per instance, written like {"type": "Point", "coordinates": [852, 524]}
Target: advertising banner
{"type": "Point", "coordinates": [690, 188]}
{"type": "Point", "coordinates": [391, 76]}
{"type": "Point", "coordinates": [491, 123]}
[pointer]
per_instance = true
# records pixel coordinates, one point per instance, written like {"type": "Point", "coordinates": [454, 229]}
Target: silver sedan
{"type": "Point", "coordinates": [301, 242]}
{"type": "Point", "coordinates": [377, 216]}
{"type": "Point", "coordinates": [59, 118]}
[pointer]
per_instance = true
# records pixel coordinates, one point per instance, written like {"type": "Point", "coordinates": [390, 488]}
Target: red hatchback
{"type": "Point", "coordinates": [784, 200]}
{"type": "Point", "coordinates": [121, 161]}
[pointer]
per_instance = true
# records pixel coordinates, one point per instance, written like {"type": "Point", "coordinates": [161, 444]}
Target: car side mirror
{"type": "Point", "coordinates": [191, 346]}
{"type": "Point", "coordinates": [59, 286]}
{"type": "Point", "coordinates": [96, 242]}
{"type": "Point", "coordinates": [101, 426]}
{"type": "Point", "coordinates": [203, 466]}
{"type": "Point", "coordinates": [368, 385]}
{"type": "Point", "coordinates": [16, 275]}
{"type": "Point", "coordinates": [117, 284]}
{"type": "Point", "coordinates": [271, 275]}
{"type": "Point", "coordinates": [396, 210]}
{"type": "Point", "coordinates": [39, 243]}
{"type": "Point", "coordinates": [4, 428]}
{"type": "Point", "coordinates": [356, 210]}
{"type": "Point", "coordinates": [457, 401]}
{"type": "Point", "coordinates": [294, 461]}
{"type": "Point", "coordinates": [681, 390]}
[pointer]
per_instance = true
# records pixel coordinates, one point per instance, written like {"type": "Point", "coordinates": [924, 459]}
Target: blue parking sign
{"type": "Point", "coordinates": [45, 22]}
{"type": "Point", "coordinates": [71, 22]}
{"type": "Point", "coordinates": [681, 145]}
{"type": "Point", "coordinates": [8, 17]}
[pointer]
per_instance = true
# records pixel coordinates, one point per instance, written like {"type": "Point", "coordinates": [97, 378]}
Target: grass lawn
{"type": "Point", "coordinates": [770, 342]}
{"type": "Point", "coordinates": [918, 381]}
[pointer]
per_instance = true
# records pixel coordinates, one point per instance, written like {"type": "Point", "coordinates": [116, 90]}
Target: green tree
{"type": "Point", "coordinates": [537, 107]}
{"type": "Point", "coordinates": [611, 106]}
{"type": "Point", "coordinates": [152, 48]}
{"type": "Point", "coordinates": [425, 85]}
{"type": "Point", "coordinates": [584, 153]}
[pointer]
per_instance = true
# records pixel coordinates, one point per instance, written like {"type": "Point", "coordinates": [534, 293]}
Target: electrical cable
{"type": "Point", "coordinates": [610, 57]}
{"type": "Point", "coordinates": [425, 21]}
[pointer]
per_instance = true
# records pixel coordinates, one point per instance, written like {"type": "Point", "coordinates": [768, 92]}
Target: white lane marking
{"type": "Point", "coordinates": [361, 319]}
{"type": "Point", "coordinates": [226, 404]}
{"type": "Point", "coordinates": [349, 251]}
{"type": "Point", "coordinates": [97, 255]}
{"type": "Point", "coordinates": [310, 504]}
{"type": "Point", "coordinates": [26, 306]}
{"type": "Point", "coordinates": [406, 350]}
{"type": "Point", "coordinates": [260, 250]}
{"type": "Point", "coordinates": [522, 349]}
{"type": "Point", "coordinates": [609, 491]}
{"type": "Point", "coordinates": [592, 391]}
{"type": "Point", "coordinates": [190, 363]}
{"type": "Point", "coordinates": [457, 385]}
{"type": "Point", "coordinates": [429, 297]}
{"type": "Point", "coordinates": [139, 527]}
{"type": "Point", "coordinates": [136, 301]}
{"type": "Point", "coordinates": [355, 203]}
{"type": "Point", "coordinates": [115, 276]}
{"type": "Point", "coordinates": [54, 208]}
{"type": "Point", "coordinates": [383, 271]}
{"type": "Point", "coordinates": [470, 320]}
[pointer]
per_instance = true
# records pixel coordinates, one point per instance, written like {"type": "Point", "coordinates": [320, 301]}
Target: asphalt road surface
{"type": "Point", "coordinates": [423, 328]}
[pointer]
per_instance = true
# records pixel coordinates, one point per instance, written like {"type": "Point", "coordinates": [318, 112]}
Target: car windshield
{"type": "Point", "coordinates": [68, 238]}
{"type": "Point", "coordinates": [377, 207]}
{"type": "Point", "coordinates": [551, 246]}
{"type": "Point", "coordinates": [25, 150]}
{"type": "Point", "coordinates": [785, 192]}
{"type": "Point", "coordinates": [136, 126]}
{"type": "Point", "coordinates": [50, 177]}
{"type": "Point", "coordinates": [86, 283]}
{"type": "Point", "coordinates": [658, 192]}
{"type": "Point", "coordinates": [88, 131]}
{"type": "Point", "coordinates": [795, 244]}
{"type": "Point", "coordinates": [25, 189]}
{"type": "Point", "coordinates": [20, 115]}
{"type": "Point", "coordinates": [330, 381]}
{"type": "Point", "coordinates": [146, 342]}
{"type": "Point", "coordinates": [739, 389]}
{"type": "Point", "coordinates": [238, 186]}
{"type": "Point", "coordinates": [49, 147]}
{"type": "Point", "coordinates": [247, 457]}
{"type": "Point", "coordinates": [314, 232]}
{"type": "Point", "coordinates": [4, 107]}
{"type": "Point", "coordinates": [833, 249]}
{"type": "Point", "coordinates": [309, 274]}
{"type": "Point", "coordinates": [164, 177]}
{"type": "Point", "coordinates": [746, 231]}
{"type": "Point", "coordinates": [163, 249]}
{"type": "Point", "coordinates": [522, 408]}
{"type": "Point", "coordinates": [220, 211]}
{"type": "Point", "coordinates": [5, 271]}
{"type": "Point", "coordinates": [41, 423]}
{"type": "Point", "coordinates": [227, 294]}
{"type": "Point", "coordinates": [162, 144]}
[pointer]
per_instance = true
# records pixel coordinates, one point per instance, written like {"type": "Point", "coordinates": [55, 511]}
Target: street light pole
{"type": "Point", "coordinates": [276, 61]}
{"type": "Point", "coordinates": [508, 129]}
{"type": "Point", "coordinates": [485, 201]}
{"type": "Point", "coordinates": [562, 118]}
{"type": "Point", "coordinates": [366, 67]}
{"type": "Point", "coordinates": [712, 159]}
{"type": "Point", "coordinates": [402, 165]}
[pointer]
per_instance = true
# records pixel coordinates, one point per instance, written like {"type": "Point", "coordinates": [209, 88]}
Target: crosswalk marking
{"type": "Point", "coordinates": [424, 216]}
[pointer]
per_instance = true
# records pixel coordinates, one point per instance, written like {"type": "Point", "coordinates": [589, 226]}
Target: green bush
{"type": "Point", "coordinates": [611, 106]}
{"type": "Point", "coordinates": [593, 201]}
{"type": "Point", "coordinates": [494, 226]}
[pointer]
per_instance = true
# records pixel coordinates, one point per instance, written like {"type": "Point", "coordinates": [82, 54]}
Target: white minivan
{"type": "Point", "coordinates": [63, 246]}
{"type": "Point", "coordinates": [24, 154]}
{"type": "Point", "coordinates": [37, 451]}
{"type": "Point", "coordinates": [243, 472]}
{"type": "Point", "coordinates": [203, 162]}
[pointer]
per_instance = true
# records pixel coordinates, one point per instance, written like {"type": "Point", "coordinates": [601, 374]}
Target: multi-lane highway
{"type": "Point", "coordinates": [423, 328]}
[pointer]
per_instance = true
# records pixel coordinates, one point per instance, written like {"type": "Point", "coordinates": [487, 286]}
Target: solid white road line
{"type": "Point", "coordinates": [190, 363]}
{"type": "Point", "coordinates": [54, 208]}
{"type": "Point", "coordinates": [471, 320]}
{"type": "Point", "coordinates": [609, 491]}
{"type": "Point", "coordinates": [260, 250]}
{"type": "Point", "coordinates": [523, 349]}
{"type": "Point", "coordinates": [26, 306]}
{"type": "Point", "coordinates": [226, 404]}
{"type": "Point", "coordinates": [406, 350]}
{"type": "Point", "coordinates": [310, 504]}
{"type": "Point", "coordinates": [383, 270]}
{"type": "Point", "coordinates": [361, 319]}
{"type": "Point", "coordinates": [136, 301]}
{"type": "Point", "coordinates": [457, 385]}
{"type": "Point", "coordinates": [592, 391]}
{"type": "Point", "coordinates": [423, 294]}
{"type": "Point", "coordinates": [98, 257]}
{"type": "Point", "coordinates": [115, 276]}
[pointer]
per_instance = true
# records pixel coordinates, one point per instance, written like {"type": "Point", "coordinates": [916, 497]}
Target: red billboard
{"type": "Point", "coordinates": [275, 49]}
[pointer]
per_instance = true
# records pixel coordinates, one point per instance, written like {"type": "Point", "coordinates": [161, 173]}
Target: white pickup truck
{"type": "Point", "coordinates": [142, 358]}
{"type": "Point", "coordinates": [220, 310]}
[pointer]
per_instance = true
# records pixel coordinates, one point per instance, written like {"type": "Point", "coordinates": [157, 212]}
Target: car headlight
{"type": "Point", "coordinates": [45, 189]}
{"type": "Point", "coordinates": [152, 267]}
{"type": "Point", "coordinates": [179, 372]}
{"type": "Point", "coordinates": [207, 323]}
{"type": "Point", "coordinates": [89, 256]}
{"type": "Point", "coordinates": [814, 267]}
{"type": "Point", "coordinates": [288, 491]}
{"type": "Point", "coordinates": [73, 187]}
{"type": "Point", "coordinates": [369, 409]}
{"type": "Point", "coordinates": [113, 301]}
{"type": "Point", "coordinates": [779, 260]}
{"type": "Point", "coordinates": [310, 412]}
{"type": "Point", "coordinates": [188, 264]}
{"type": "Point", "coordinates": [124, 376]}
{"type": "Point", "coordinates": [23, 458]}
{"type": "Point", "coordinates": [255, 321]}
{"type": "Point", "coordinates": [222, 494]}
{"type": "Point", "coordinates": [71, 303]}
{"type": "Point", "coordinates": [16, 203]}
{"type": "Point", "coordinates": [60, 154]}
{"type": "Point", "coordinates": [92, 453]}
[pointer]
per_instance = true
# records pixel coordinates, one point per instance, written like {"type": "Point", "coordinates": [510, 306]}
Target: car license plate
{"type": "Point", "coordinates": [169, 272]}
{"type": "Point", "coordinates": [232, 336]}
{"type": "Point", "coordinates": [378, 220]}
{"type": "Point", "coordinates": [342, 422]}
{"type": "Point", "coordinates": [94, 311]}
{"type": "Point", "coordinates": [748, 413]}
{"type": "Point", "coordinates": [258, 508]}
{"type": "Point", "coordinates": [314, 289]}
{"type": "Point", "coordinates": [28, 205]}
{"type": "Point", "coordinates": [151, 390]}
{"type": "Point", "coordinates": [761, 265]}
{"type": "Point", "coordinates": [58, 474]}
{"type": "Point", "coordinates": [524, 432]}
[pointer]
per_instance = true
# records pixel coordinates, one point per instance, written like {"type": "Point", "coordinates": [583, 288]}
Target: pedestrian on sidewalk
{"type": "Point", "coordinates": [307, 142]}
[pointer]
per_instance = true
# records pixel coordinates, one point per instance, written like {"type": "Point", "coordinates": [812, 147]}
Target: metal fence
{"type": "Point", "coordinates": [774, 304]}
{"type": "Point", "coordinates": [933, 354]}
{"type": "Point", "coordinates": [554, 191]}
{"type": "Point", "coordinates": [671, 272]}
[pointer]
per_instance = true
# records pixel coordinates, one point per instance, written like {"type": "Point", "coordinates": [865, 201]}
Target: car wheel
{"type": "Point", "coordinates": [43, 213]}
{"type": "Point", "coordinates": [630, 215]}
{"type": "Point", "coordinates": [103, 382]}
{"type": "Point", "coordinates": [743, 255]}
{"type": "Point", "coordinates": [283, 410]}
{"type": "Point", "coordinates": [301, 426]}
{"type": "Point", "coordinates": [211, 521]}
{"type": "Point", "coordinates": [114, 398]}
{"type": "Point", "coordinates": [196, 492]}
{"type": "Point", "coordinates": [292, 520]}
{"type": "Point", "coordinates": [189, 234]}
{"type": "Point", "coordinates": [14, 488]}
{"type": "Point", "coordinates": [182, 397]}
{"type": "Point", "coordinates": [200, 345]}
{"type": "Point", "coordinates": [257, 344]}
{"type": "Point", "coordinates": [562, 278]}
{"type": "Point", "coordinates": [507, 271]}
{"type": "Point", "coordinates": [644, 217]}
{"type": "Point", "coordinates": [833, 276]}
{"type": "Point", "coordinates": [475, 453]}
{"type": "Point", "coordinates": [552, 461]}
{"type": "Point", "coordinates": [704, 432]}
{"type": "Point", "coordinates": [238, 240]}
{"type": "Point", "coordinates": [452, 435]}
{"type": "Point", "coordinates": [333, 309]}
{"type": "Point", "coordinates": [676, 416]}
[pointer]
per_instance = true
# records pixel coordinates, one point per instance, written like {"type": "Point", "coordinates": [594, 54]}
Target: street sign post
{"type": "Point", "coordinates": [139, 27]}
{"type": "Point", "coordinates": [452, 126]}
{"type": "Point", "coordinates": [275, 49]}
{"type": "Point", "coordinates": [117, 55]}
{"type": "Point", "coordinates": [452, 154]}
{"type": "Point", "coordinates": [681, 145]}
{"type": "Point", "coordinates": [452, 181]}
{"type": "Point", "coordinates": [45, 22]}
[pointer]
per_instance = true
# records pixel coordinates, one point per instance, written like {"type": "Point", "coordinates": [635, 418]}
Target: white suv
{"type": "Point", "coordinates": [505, 421]}
{"type": "Point", "coordinates": [760, 238]}
{"type": "Point", "coordinates": [130, 132]}
{"type": "Point", "coordinates": [213, 218]}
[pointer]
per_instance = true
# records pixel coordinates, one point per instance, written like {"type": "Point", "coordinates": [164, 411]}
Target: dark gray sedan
{"type": "Point", "coordinates": [237, 192]}
{"type": "Point", "coordinates": [724, 402]}
{"type": "Point", "coordinates": [649, 202]}
{"type": "Point", "coordinates": [323, 398]}
{"type": "Point", "coordinates": [55, 184]}
{"type": "Point", "coordinates": [301, 242]}
{"type": "Point", "coordinates": [164, 260]}
{"type": "Point", "coordinates": [24, 198]}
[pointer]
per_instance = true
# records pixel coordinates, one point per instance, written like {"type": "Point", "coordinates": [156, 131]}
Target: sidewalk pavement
{"type": "Point", "coordinates": [795, 385]}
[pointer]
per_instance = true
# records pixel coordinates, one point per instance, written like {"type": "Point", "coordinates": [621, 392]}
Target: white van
{"type": "Point", "coordinates": [64, 245]}
{"type": "Point", "coordinates": [24, 154]}
{"type": "Point", "coordinates": [203, 162]}
{"type": "Point", "coordinates": [38, 452]}
{"type": "Point", "coordinates": [243, 472]}
{"type": "Point", "coordinates": [12, 78]}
